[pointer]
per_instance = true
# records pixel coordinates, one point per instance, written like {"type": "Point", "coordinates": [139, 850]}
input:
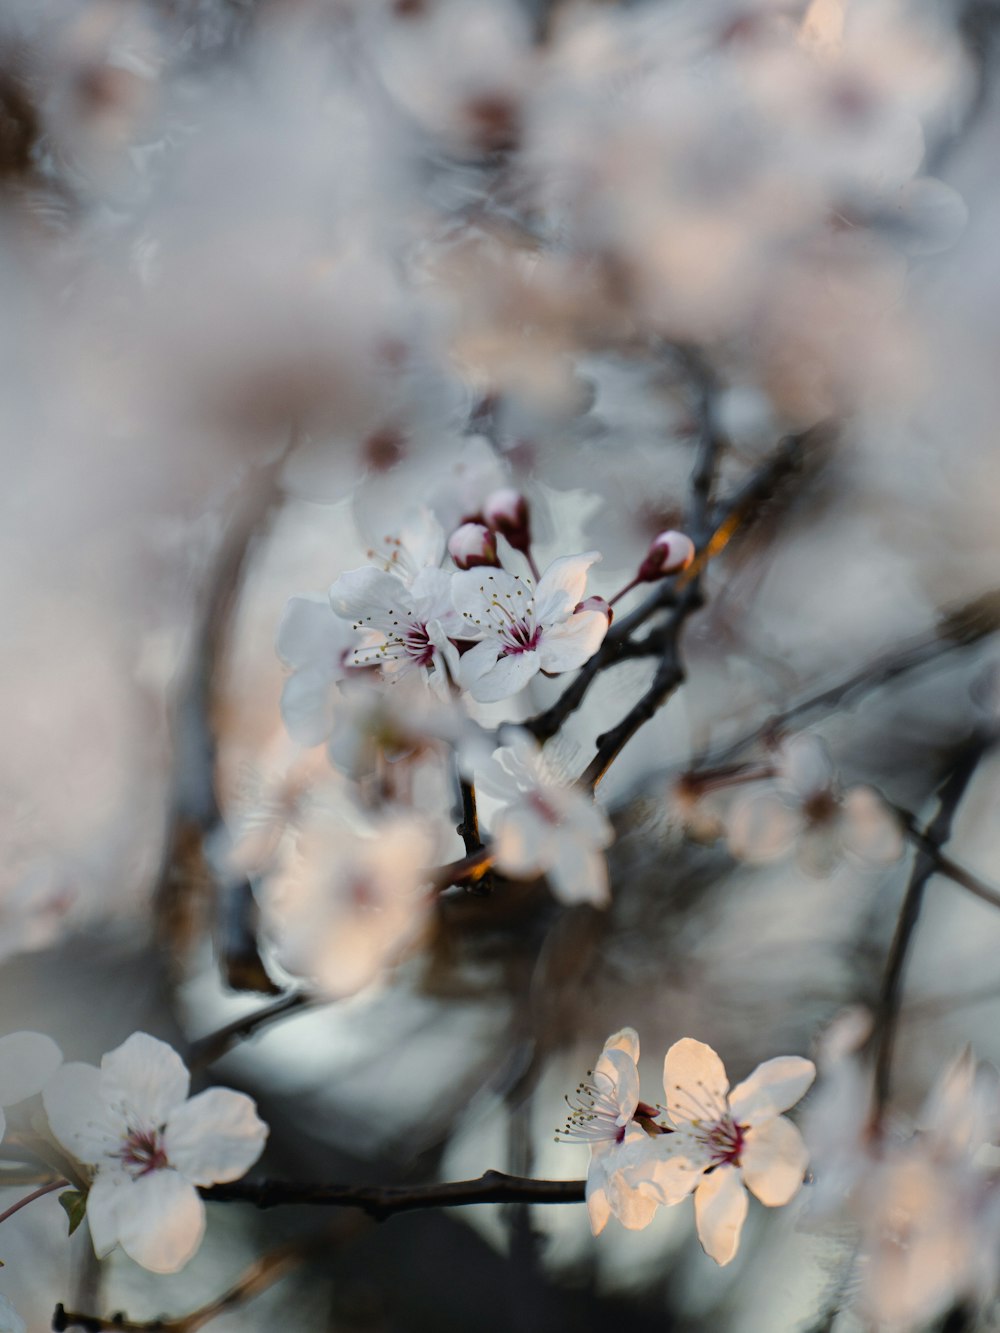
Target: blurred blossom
{"type": "Point", "coordinates": [317, 644]}
{"type": "Point", "coordinates": [805, 807]}
{"type": "Point", "coordinates": [349, 900]}
{"type": "Point", "coordinates": [547, 825]}
{"type": "Point", "coordinates": [27, 1062]}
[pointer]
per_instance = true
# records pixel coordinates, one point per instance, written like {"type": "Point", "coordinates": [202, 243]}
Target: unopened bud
{"type": "Point", "coordinates": [596, 603]}
{"type": "Point", "coordinates": [471, 545]}
{"type": "Point", "coordinates": [668, 553]}
{"type": "Point", "coordinates": [506, 512]}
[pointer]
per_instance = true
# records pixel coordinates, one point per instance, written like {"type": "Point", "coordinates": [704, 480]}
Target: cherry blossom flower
{"type": "Point", "coordinates": [150, 1147]}
{"type": "Point", "coordinates": [523, 629]}
{"type": "Point", "coordinates": [805, 805]}
{"type": "Point", "coordinates": [316, 643]}
{"type": "Point", "coordinates": [724, 1141]}
{"type": "Point", "coordinates": [403, 626]}
{"type": "Point", "coordinates": [473, 545]}
{"type": "Point", "coordinates": [549, 827]}
{"type": "Point", "coordinates": [603, 1114]}
{"type": "Point", "coordinates": [347, 904]}
{"type": "Point", "coordinates": [27, 1062]}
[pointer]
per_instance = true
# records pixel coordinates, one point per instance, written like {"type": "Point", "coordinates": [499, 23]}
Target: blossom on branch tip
{"type": "Point", "coordinates": [506, 511]}
{"type": "Point", "coordinates": [603, 1114]}
{"type": "Point", "coordinates": [523, 629]}
{"type": "Point", "coordinates": [668, 553]}
{"type": "Point", "coordinates": [723, 1141]}
{"type": "Point", "coordinates": [402, 626]}
{"type": "Point", "coordinates": [150, 1147]}
{"type": "Point", "coordinates": [472, 545]}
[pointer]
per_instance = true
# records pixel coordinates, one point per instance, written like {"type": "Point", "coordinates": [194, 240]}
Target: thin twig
{"type": "Point", "coordinates": [890, 999]}
{"type": "Point", "coordinates": [30, 1198]}
{"type": "Point", "coordinates": [211, 1047]}
{"type": "Point", "coordinates": [382, 1201]}
{"type": "Point", "coordinates": [267, 1270]}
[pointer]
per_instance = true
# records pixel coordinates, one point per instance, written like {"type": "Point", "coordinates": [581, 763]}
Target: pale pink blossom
{"type": "Point", "coordinates": [149, 1147]}
{"type": "Point", "coordinates": [548, 826]}
{"type": "Point", "coordinates": [725, 1142]}
{"type": "Point", "coordinates": [523, 629]}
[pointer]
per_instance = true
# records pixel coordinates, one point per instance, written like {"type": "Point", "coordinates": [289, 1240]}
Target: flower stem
{"type": "Point", "coordinates": [30, 1198]}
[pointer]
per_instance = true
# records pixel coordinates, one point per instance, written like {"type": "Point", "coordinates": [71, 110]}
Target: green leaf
{"type": "Point", "coordinates": [74, 1203]}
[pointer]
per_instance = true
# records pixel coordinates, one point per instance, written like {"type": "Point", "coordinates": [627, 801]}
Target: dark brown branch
{"type": "Point", "coordinates": [925, 865]}
{"type": "Point", "coordinates": [382, 1201]}
{"type": "Point", "coordinates": [468, 829]}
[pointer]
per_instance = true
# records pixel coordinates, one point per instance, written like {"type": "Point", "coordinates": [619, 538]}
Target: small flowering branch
{"type": "Point", "coordinates": [382, 1201]}
{"type": "Point", "coordinates": [214, 1045]}
{"type": "Point", "coordinates": [890, 999]}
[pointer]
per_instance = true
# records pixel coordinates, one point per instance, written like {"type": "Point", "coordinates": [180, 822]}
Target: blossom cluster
{"type": "Point", "coordinates": [707, 1140]}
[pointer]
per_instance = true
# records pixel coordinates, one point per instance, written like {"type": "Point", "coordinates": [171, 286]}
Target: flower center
{"type": "Point", "coordinates": [724, 1141]}
{"type": "Point", "coordinates": [142, 1152]}
{"type": "Point", "coordinates": [595, 1115]}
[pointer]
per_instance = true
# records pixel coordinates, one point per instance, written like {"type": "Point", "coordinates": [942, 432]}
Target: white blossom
{"type": "Point", "coordinates": [548, 826]}
{"type": "Point", "coordinates": [723, 1141]}
{"type": "Point", "coordinates": [149, 1147]}
{"type": "Point", "coordinates": [523, 629]}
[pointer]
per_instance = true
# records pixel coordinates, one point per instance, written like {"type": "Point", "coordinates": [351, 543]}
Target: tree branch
{"type": "Point", "coordinates": [211, 1047]}
{"type": "Point", "coordinates": [925, 865]}
{"type": "Point", "coordinates": [382, 1201]}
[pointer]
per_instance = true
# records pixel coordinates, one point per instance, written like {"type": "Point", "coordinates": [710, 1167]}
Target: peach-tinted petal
{"type": "Point", "coordinates": [773, 1087]}
{"type": "Point", "coordinates": [694, 1082]}
{"type": "Point", "coordinates": [720, 1209]}
{"type": "Point", "coordinates": [774, 1160]}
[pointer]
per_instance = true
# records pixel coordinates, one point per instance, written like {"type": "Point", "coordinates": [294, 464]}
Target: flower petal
{"type": "Point", "coordinates": [563, 584]}
{"type": "Point", "coordinates": [310, 634]}
{"type": "Point", "coordinates": [869, 830]}
{"type": "Point", "coordinates": [579, 874]}
{"type": "Point", "coordinates": [508, 676]}
{"type": "Point", "coordinates": [761, 827]}
{"type": "Point", "coordinates": [773, 1087]}
{"type": "Point", "coordinates": [626, 1040]}
{"type": "Point", "coordinates": [215, 1137]}
{"type": "Point", "coordinates": [666, 1168]}
{"type": "Point", "coordinates": [79, 1116]}
{"type": "Point", "coordinates": [596, 1193]}
{"type": "Point", "coordinates": [616, 1077]}
{"type": "Point", "coordinates": [806, 765]}
{"type": "Point", "coordinates": [145, 1075]}
{"type": "Point", "coordinates": [694, 1082]}
{"type": "Point", "coordinates": [161, 1220]}
{"type": "Point", "coordinates": [567, 646]}
{"type": "Point", "coordinates": [107, 1197]}
{"type": "Point", "coordinates": [27, 1062]}
{"type": "Point", "coordinates": [720, 1209]}
{"type": "Point", "coordinates": [307, 706]}
{"type": "Point", "coordinates": [774, 1160]}
{"type": "Point", "coordinates": [369, 594]}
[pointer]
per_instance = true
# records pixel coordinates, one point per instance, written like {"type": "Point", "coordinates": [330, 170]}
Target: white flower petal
{"type": "Point", "coordinates": [806, 766]}
{"type": "Point", "coordinates": [145, 1075]}
{"type": "Point", "coordinates": [509, 675]}
{"type": "Point", "coordinates": [579, 874]}
{"type": "Point", "coordinates": [108, 1196]}
{"type": "Point", "coordinates": [773, 1087]}
{"type": "Point", "coordinates": [761, 826]}
{"type": "Point", "coordinates": [310, 634]}
{"type": "Point", "coordinates": [27, 1061]}
{"type": "Point", "coordinates": [720, 1209]}
{"type": "Point", "coordinates": [563, 583]}
{"type": "Point", "coordinates": [307, 706]}
{"type": "Point", "coordinates": [596, 1194]}
{"type": "Point", "coordinates": [667, 1168]}
{"type": "Point", "coordinates": [215, 1137]}
{"type": "Point", "coordinates": [626, 1040]}
{"type": "Point", "coordinates": [774, 1160]}
{"type": "Point", "coordinates": [475, 663]}
{"type": "Point", "coordinates": [369, 595]}
{"type": "Point", "coordinates": [161, 1220]}
{"type": "Point", "coordinates": [694, 1082]}
{"type": "Point", "coordinates": [79, 1115]}
{"type": "Point", "coordinates": [633, 1209]}
{"type": "Point", "coordinates": [869, 829]}
{"type": "Point", "coordinates": [567, 646]}
{"type": "Point", "coordinates": [616, 1078]}
{"type": "Point", "coordinates": [10, 1320]}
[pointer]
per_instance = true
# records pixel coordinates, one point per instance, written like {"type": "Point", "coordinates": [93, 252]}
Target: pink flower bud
{"type": "Point", "coordinates": [472, 545]}
{"type": "Point", "coordinates": [506, 512]}
{"type": "Point", "coordinates": [595, 603]}
{"type": "Point", "coordinates": [668, 553]}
